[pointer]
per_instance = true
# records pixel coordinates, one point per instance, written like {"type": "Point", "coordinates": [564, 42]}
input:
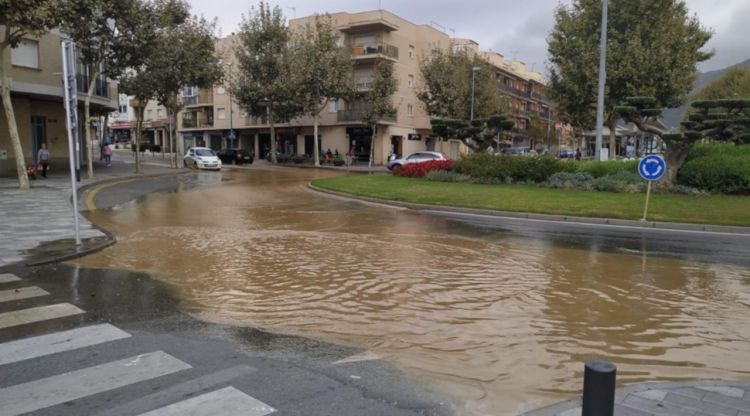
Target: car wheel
{"type": "Point", "coordinates": [185, 163]}
{"type": "Point", "coordinates": [396, 168]}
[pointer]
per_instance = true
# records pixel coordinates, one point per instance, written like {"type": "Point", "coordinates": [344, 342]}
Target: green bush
{"type": "Point", "coordinates": [600, 169]}
{"type": "Point", "coordinates": [505, 168]}
{"type": "Point", "coordinates": [482, 166]}
{"type": "Point", "coordinates": [338, 161]}
{"type": "Point", "coordinates": [299, 158]}
{"type": "Point", "coordinates": [447, 176]}
{"type": "Point", "coordinates": [723, 168]}
{"type": "Point", "coordinates": [155, 148]}
{"type": "Point", "coordinates": [620, 182]}
{"type": "Point", "coordinates": [571, 180]}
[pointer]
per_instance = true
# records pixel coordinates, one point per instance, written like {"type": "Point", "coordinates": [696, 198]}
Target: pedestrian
{"type": "Point", "coordinates": [578, 154]}
{"type": "Point", "coordinates": [329, 156]}
{"type": "Point", "coordinates": [43, 157]}
{"type": "Point", "coordinates": [107, 155]}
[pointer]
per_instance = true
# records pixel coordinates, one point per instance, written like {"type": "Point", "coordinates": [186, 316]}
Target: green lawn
{"type": "Point", "coordinates": [716, 209]}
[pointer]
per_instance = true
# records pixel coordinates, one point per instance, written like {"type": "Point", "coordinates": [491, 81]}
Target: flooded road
{"type": "Point", "coordinates": [502, 319]}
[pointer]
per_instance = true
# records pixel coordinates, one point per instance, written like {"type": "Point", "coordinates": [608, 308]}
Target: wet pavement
{"type": "Point", "coordinates": [500, 314]}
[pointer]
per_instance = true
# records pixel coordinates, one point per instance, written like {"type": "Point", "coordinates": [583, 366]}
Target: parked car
{"type": "Point", "coordinates": [235, 156]}
{"type": "Point", "coordinates": [566, 154]}
{"type": "Point", "coordinates": [418, 157]}
{"type": "Point", "coordinates": [519, 151]}
{"type": "Point", "coordinates": [201, 158]}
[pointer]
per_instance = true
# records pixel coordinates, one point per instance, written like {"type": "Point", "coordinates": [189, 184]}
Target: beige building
{"type": "Point", "coordinates": [209, 116]}
{"type": "Point", "coordinates": [122, 123]}
{"type": "Point", "coordinates": [35, 68]}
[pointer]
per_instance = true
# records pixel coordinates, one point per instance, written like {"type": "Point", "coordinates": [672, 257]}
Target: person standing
{"type": "Point", "coordinates": [107, 155]}
{"type": "Point", "coordinates": [578, 154]}
{"type": "Point", "coordinates": [42, 158]}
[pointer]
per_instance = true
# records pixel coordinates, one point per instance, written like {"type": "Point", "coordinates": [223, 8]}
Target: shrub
{"type": "Point", "coordinates": [619, 182]}
{"type": "Point", "coordinates": [447, 176]}
{"type": "Point", "coordinates": [155, 148]}
{"type": "Point", "coordinates": [723, 168]}
{"type": "Point", "coordinates": [298, 159]}
{"type": "Point", "coordinates": [571, 180]}
{"type": "Point", "coordinates": [419, 170]}
{"type": "Point", "coordinates": [282, 158]}
{"type": "Point", "coordinates": [611, 167]}
{"type": "Point", "coordinates": [687, 190]}
{"type": "Point", "coordinates": [482, 166]}
{"type": "Point", "coordinates": [338, 161]}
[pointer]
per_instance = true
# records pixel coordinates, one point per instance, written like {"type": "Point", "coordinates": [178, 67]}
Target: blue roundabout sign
{"type": "Point", "coordinates": [652, 168]}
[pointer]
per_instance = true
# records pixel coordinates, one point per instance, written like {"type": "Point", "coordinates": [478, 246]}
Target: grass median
{"type": "Point", "coordinates": [714, 209]}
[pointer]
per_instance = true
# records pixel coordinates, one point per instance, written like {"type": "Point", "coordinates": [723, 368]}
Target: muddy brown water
{"type": "Point", "coordinates": [501, 321]}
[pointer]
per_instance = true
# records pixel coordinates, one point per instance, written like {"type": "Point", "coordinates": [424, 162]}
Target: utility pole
{"type": "Point", "coordinates": [602, 81]}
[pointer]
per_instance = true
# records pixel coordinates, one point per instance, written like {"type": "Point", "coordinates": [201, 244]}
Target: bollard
{"type": "Point", "coordinates": [599, 388]}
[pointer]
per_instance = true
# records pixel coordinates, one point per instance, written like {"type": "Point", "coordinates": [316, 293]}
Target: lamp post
{"type": "Point", "coordinates": [602, 80]}
{"type": "Point", "coordinates": [473, 78]}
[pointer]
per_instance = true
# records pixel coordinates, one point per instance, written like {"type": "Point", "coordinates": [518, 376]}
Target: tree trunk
{"type": "Point", "coordinates": [273, 137]}
{"type": "Point", "coordinates": [316, 153]}
{"type": "Point", "coordinates": [172, 156]}
{"type": "Point", "coordinates": [138, 132]}
{"type": "Point", "coordinates": [677, 152]}
{"type": "Point", "coordinates": [87, 126]}
{"type": "Point", "coordinates": [372, 145]}
{"type": "Point", "coordinates": [15, 140]}
{"type": "Point", "coordinates": [612, 140]}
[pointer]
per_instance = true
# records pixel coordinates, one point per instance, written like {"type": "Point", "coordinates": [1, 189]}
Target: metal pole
{"type": "Point", "coordinates": [648, 197]}
{"type": "Point", "coordinates": [599, 388]}
{"type": "Point", "coordinates": [69, 85]}
{"type": "Point", "coordinates": [602, 81]}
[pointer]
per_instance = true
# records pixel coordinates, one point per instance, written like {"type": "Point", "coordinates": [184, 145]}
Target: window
{"type": "Point", "coordinates": [333, 106]}
{"type": "Point", "coordinates": [410, 110]}
{"type": "Point", "coordinates": [150, 115]}
{"type": "Point", "coordinates": [159, 114]}
{"type": "Point", "coordinates": [411, 52]}
{"type": "Point", "coordinates": [25, 54]}
{"type": "Point", "coordinates": [122, 109]}
{"type": "Point", "coordinates": [410, 81]}
{"type": "Point", "coordinates": [222, 113]}
{"type": "Point", "coordinates": [221, 90]}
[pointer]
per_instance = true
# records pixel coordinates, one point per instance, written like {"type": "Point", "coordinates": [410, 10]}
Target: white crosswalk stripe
{"type": "Point", "coordinates": [41, 313]}
{"type": "Point", "coordinates": [8, 277]}
{"type": "Point", "coordinates": [24, 349]}
{"type": "Point", "coordinates": [227, 401]}
{"type": "Point", "coordinates": [22, 293]}
{"type": "Point", "coordinates": [51, 391]}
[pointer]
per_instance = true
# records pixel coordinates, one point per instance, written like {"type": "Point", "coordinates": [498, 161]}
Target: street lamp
{"type": "Point", "coordinates": [473, 78]}
{"type": "Point", "coordinates": [602, 80]}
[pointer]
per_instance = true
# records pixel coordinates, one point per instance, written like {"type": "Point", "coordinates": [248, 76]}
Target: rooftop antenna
{"type": "Point", "coordinates": [294, 10]}
{"type": "Point", "coordinates": [434, 23]}
{"type": "Point", "coordinates": [452, 30]}
{"type": "Point", "coordinates": [515, 53]}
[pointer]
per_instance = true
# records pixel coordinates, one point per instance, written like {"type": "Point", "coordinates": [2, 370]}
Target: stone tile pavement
{"type": "Point", "coordinates": [696, 398]}
{"type": "Point", "coordinates": [44, 213]}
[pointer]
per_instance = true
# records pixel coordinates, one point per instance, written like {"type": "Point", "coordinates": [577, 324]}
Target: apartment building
{"type": "Point", "coordinates": [210, 115]}
{"type": "Point", "coordinates": [35, 67]}
{"type": "Point", "coordinates": [122, 123]}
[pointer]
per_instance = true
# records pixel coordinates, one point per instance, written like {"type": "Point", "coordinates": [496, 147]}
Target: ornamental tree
{"type": "Point", "coordinates": [725, 120]}
{"type": "Point", "coordinates": [20, 19]}
{"type": "Point", "coordinates": [478, 134]}
{"type": "Point", "coordinates": [653, 48]}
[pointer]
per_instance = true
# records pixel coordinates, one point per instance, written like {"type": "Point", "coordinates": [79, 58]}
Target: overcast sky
{"type": "Point", "coordinates": [512, 27]}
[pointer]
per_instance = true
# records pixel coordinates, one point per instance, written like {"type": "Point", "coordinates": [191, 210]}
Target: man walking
{"type": "Point", "coordinates": [42, 158]}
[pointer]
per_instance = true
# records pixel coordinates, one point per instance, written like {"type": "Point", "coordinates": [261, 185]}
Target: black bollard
{"type": "Point", "coordinates": [599, 388]}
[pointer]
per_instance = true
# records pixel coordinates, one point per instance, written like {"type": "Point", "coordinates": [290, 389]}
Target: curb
{"type": "Point", "coordinates": [612, 222]}
{"type": "Point", "coordinates": [110, 238]}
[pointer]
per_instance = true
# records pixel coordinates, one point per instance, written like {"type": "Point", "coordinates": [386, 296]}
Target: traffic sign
{"type": "Point", "coordinates": [652, 168]}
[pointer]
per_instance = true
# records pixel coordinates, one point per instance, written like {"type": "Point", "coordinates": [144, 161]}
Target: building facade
{"type": "Point", "coordinates": [122, 123]}
{"type": "Point", "coordinates": [35, 68]}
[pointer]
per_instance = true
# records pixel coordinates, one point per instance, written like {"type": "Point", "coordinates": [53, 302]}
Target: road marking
{"type": "Point", "coordinates": [8, 277]}
{"type": "Point", "coordinates": [92, 193]}
{"type": "Point", "coordinates": [51, 391]}
{"type": "Point", "coordinates": [180, 391]}
{"type": "Point", "coordinates": [42, 313]}
{"type": "Point", "coordinates": [227, 401]}
{"type": "Point", "coordinates": [365, 356]}
{"type": "Point", "coordinates": [22, 293]}
{"type": "Point", "coordinates": [74, 339]}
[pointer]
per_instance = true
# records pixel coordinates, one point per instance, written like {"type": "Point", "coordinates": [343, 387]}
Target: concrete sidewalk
{"type": "Point", "coordinates": [40, 220]}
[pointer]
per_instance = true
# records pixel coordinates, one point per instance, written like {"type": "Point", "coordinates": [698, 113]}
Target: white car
{"type": "Point", "coordinates": [201, 158]}
{"type": "Point", "coordinates": [418, 157]}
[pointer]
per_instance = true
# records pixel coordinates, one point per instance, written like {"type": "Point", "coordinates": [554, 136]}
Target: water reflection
{"type": "Point", "coordinates": [494, 316]}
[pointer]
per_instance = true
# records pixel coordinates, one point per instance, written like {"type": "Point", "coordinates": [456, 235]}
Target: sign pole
{"type": "Point", "coordinates": [71, 110]}
{"type": "Point", "coordinates": [648, 197]}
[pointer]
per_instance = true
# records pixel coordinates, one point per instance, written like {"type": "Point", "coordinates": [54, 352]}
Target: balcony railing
{"type": "Point", "coordinates": [190, 100]}
{"type": "Point", "coordinates": [372, 49]}
{"type": "Point", "coordinates": [363, 84]}
{"type": "Point", "coordinates": [189, 123]}
{"type": "Point", "coordinates": [515, 91]}
{"type": "Point", "coordinates": [356, 116]}
{"type": "Point", "coordinates": [101, 86]}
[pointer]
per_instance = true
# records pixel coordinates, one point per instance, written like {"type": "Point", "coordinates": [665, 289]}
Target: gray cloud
{"type": "Point", "coordinates": [510, 27]}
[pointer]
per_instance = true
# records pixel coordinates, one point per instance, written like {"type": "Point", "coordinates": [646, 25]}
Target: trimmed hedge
{"type": "Point", "coordinates": [419, 170]}
{"type": "Point", "coordinates": [610, 167]}
{"type": "Point", "coordinates": [721, 168]}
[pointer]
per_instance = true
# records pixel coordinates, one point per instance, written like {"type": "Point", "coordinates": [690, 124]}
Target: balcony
{"type": "Point", "coordinates": [101, 86]}
{"type": "Point", "coordinates": [374, 50]}
{"type": "Point", "coordinates": [204, 98]}
{"type": "Point", "coordinates": [373, 25]}
{"type": "Point", "coordinates": [189, 123]}
{"type": "Point", "coordinates": [355, 116]}
{"type": "Point", "coordinates": [515, 91]}
{"type": "Point", "coordinates": [363, 84]}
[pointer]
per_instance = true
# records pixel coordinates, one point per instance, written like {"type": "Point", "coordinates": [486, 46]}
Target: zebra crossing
{"type": "Point", "coordinates": [58, 389]}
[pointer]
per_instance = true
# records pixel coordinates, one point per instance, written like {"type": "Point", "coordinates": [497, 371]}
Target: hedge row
{"type": "Point", "coordinates": [504, 168]}
{"type": "Point", "coordinates": [723, 168]}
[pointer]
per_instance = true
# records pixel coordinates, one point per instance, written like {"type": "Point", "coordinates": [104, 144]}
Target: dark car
{"type": "Point", "coordinates": [235, 156]}
{"type": "Point", "coordinates": [566, 154]}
